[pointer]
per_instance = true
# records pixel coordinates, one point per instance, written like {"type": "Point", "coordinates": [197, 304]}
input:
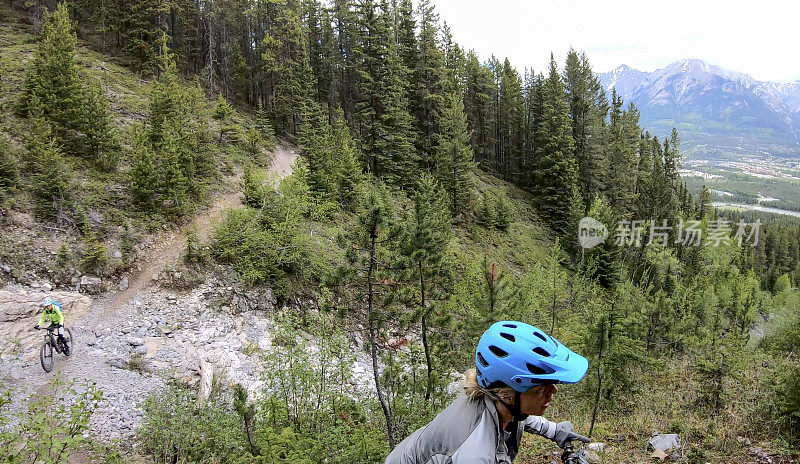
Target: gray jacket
{"type": "Point", "coordinates": [467, 432]}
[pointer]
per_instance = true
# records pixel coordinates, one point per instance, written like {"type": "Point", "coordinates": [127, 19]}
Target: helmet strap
{"type": "Point", "coordinates": [515, 409]}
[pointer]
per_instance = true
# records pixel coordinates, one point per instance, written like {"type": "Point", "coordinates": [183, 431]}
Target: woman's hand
{"type": "Point", "coordinates": [566, 433]}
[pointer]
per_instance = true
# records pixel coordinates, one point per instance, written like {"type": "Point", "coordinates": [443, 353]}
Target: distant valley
{"type": "Point", "coordinates": [740, 137]}
{"type": "Point", "coordinates": [717, 111]}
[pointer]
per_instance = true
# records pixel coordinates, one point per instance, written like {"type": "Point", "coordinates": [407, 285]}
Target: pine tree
{"type": "Point", "coordinates": [53, 80]}
{"type": "Point", "coordinates": [95, 255]}
{"type": "Point", "coordinates": [406, 38]}
{"type": "Point", "coordinates": [316, 137]}
{"type": "Point", "coordinates": [222, 111]}
{"type": "Point", "coordinates": [425, 234]}
{"type": "Point", "coordinates": [140, 32]}
{"type": "Point", "coordinates": [384, 121]}
{"type": "Point", "coordinates": [532, 119]}
{"type": "Point", "coordinates": [175, 183]}
{"type": "Point", "coordinates": [286, 66]}
{"type": "Point", "coordinates": [644, 174]}
{"type": "Point", "coordinates": [264, 127]}
{"type": "Point", "coordinates": [498, 298]}
{"type": "Point", "coordinates": [252, 189]}
{"type": "Point", "coordinates": [556, 174]}
{"type": "Point", "coordinates": [429, 79]}
{"type": "Point", "coordinates": [454, 62]}
{"type": "Point", "coordinates": [705, 209]}
{"type": "Point", "coordinates": [252, 144]}
{"type": "Point", "coordinates": [511, 123]}
{"type": "Point", "coordinates": [179, 138]}
{"type": "Point", "coordinates": [655, 198]}
{"type": "Point", "coordinates": [454, 159]}
{"type": "Point", "coordinates": [603, 261]}
{"type": "Point", "coordinates": [348, 170]}
{"type": "Point", "coordinates": [51, 180]}
{"type": "Point", "coordinates": [622, 156]}
{"type": "Point", "coordinates": [167, 107]}
{"type": "Point", "coordinates": [504, 212]}
{"type": "Point", "coordinates": [480, 91]}
{"type": "Point", "coordinates": [9, 168]}
{"type": "Point", "coordinates": [588, 121]}
{"type": "Point", "coordinates": [143, 175]}
{"type": "Point", "coordinates": [485, 215]}
{"type": "Point", "coordinates": [367, 268]}
{"type": "Point", "coordinates": [98, 127]}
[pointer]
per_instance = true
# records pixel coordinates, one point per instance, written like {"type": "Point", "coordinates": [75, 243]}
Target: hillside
{"type": "Point", "coordinates": [717, 110]}
{"type": "Point", "coordinates": [279, 233]}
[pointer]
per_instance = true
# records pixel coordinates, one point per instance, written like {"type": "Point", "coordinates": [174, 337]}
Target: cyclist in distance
{"type": "Point", "coordinates": [517, 367]}
{"type": "Point", "coordinates": [52, 313]}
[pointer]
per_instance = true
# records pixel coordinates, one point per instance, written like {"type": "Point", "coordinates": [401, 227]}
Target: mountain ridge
{"type": "Point", "coordinates": [715, 109]}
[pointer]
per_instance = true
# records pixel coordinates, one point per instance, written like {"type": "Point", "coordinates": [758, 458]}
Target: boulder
{"type": "Point", "coordinates": [591, 457]}
{"type": "Point", "coordinates": [619, 438]}
{"type": "Point", "coordinates": [123, 284]}
{"type": "Point", "coordinates": [206, 370]}
{"type": "Point", "coordinates": [117, 362]}
{"type": "Point", "coordinates": [135, 341]}
{"type": "Point", "coordinates": [596, 447]}
{"type": "Point", "coordinates": [153, 345]}
{"type": "Point", "coordinates": [139, 350]}
{"type": "Point", "coordinates": [92, 285]}
{"type": "Point", "coordinates": [163, 329]}
{"type": "Point", "coordinates": [664, 442]}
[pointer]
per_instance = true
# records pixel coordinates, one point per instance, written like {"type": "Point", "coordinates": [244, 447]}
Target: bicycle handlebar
{"type": "Point", "coordinates": [570, 456]}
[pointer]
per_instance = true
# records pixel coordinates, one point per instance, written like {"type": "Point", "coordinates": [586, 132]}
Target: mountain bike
{"type": "Point", "coordinates": [571, 456]}
{"type": "Point", "coordinates": [52, 342]}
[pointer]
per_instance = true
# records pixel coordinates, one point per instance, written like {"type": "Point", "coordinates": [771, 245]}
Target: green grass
{"type": "Point", "coordinates": [524, 243]}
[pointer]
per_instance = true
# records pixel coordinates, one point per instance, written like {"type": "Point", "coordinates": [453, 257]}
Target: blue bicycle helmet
{"type": "Point", "coordinates": [521, 356]}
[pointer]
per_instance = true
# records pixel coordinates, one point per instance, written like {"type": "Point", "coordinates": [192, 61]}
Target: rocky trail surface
{"type": "Point", "coordinates": [131, 341]}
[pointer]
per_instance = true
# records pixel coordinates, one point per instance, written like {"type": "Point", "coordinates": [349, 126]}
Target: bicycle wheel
{"type": "Point", "coordinates": [70, 348]}
{"type": "Point", "coordinates": [46, 356]}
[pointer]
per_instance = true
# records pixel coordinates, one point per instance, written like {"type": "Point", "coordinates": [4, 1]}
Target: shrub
{"type": "Point", "coordinates": [52, 427]}
{"type": "Point", "coordinates": [264, 245]}
{"type": "Point", "coordinates": [195, 252]}
{"type": "Point", "coordinates": [310, 417]}
{"type": "Point", "coordinates": [787, 394]}
{"type": "Point", "coordinates": [136, 363]}
{"type": "Point", "coordinates": [95, 255]}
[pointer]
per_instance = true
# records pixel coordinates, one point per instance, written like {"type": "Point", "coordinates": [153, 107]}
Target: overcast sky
{"type": "Point", "coordinates": [760, 39]}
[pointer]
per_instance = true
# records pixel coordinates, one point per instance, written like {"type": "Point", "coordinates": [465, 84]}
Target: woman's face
{"type": "Point", "coordinates": [537, 399]}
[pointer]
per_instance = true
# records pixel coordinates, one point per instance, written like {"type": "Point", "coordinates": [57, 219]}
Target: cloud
{"type": "Point", "coordinates": [758, 39]}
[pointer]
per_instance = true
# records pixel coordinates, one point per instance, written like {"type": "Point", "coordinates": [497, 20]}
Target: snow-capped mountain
{"type": "Point", "coordinates": [714, 109]}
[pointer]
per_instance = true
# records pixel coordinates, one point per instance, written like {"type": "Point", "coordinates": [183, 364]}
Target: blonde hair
{"type": "Point", "coordinates": [474, 391]}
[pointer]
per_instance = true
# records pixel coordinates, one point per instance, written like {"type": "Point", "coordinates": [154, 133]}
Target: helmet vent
{"type": "Point", "coordinates": [537, 370]}
{"type": "Point", "coordinates": [540, 336]}
{"type": "Point", "coordinates": [482, 361]}
{"type": "Point", "coordinates": [478, 371]}
{"type": "Point", "coordinates": [541, 352]}
{"type": "Point", "coordinates": [507, 336]}
{"type": "Point", "coordinates": [510, 326]}
{"type": "Point", "coordinates": [497, 351]}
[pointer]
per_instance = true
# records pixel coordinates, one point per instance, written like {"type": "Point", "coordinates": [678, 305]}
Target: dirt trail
{"type": "Point", "coordinates": [168, 245]}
